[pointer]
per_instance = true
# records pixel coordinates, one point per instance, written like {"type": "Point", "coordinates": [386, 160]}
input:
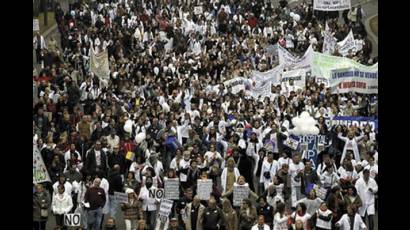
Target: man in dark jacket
{"type": "Point", "coordinates": [212, 218]}
{"type": "Point", "coordinates": [117, 158]}
{"type": "Point", "coordinates": [116, 185]}
{"type": "Point", "coordinates": [95, 158]}
{"type": "Point", "coordinates": [94, 200]}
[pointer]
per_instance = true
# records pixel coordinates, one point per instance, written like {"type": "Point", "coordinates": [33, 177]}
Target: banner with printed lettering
{"type": "Point", "coordinates": [40, 173]}
{"type": "Point", "coordinates": [349, 43]}
{"type": "Point", "coordinates": [323, 64]}
{"type": "Point", "coordinates": [99, 65]}
{"type": "Point", "coordinates": [298, 76]}
{"type": "Point", "coordinates": [331, 5]}
{"type": "Point", "coordinates": [311, 146]}
{"type": "Point", "coordinates": [358, 121]}
{"type": "Point", "coordinates": [354, 80]}
{"type": "Point", "coordinates": [236, 84]}
{"type": "Point", "coordinates": [329, 41]}
{"type": "Point", "coordinates": [261, 82]}
{"type": "Point", "coordinates": [289, 61]}
{"type": "Point", "coordinates": [240, 192]}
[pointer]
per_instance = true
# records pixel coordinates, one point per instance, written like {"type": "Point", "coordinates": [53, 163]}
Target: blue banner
{"type": "Point", "coordinates": [312, 142]}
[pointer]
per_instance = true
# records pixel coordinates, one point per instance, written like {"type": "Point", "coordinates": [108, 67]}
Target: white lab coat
{"type": "Point", "coordinates": [280, 223]}
{"type": "Point", "coordinates": [265, 227]}
{"type": "Point", "coordinates": [268, 167]}
{"type": "Point", "coordinates": [224, 175]}
{"type": "Point", "coordinates": [61, 205]}
{"type": "Point", "coordinates": [345, 222]}
{"type": "Point", "coordinates": [105, 185]}
{"type": "Point", "coordinates": [366, 196]}
{"type": "Point", "coordinates": [148, 203]}
{"type": "Point", "coordinates": [350, 145]}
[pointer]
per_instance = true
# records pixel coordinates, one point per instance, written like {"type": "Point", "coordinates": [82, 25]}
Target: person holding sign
{"type": "Point", "coordinates": [149, 204]}
{"type": "Point", "coordinates": [351, 143]}
{"type": "Point", "coordinates": [132, 210]}
{"type": "Point", "coordinates": [242, 189]}
{"type": "Point", "coordinates": [62, 204]}
{"type": "Point", "coordinates": [230, 174]}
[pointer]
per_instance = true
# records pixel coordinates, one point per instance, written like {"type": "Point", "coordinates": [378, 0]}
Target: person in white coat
{"type": "Point", "coordinates": [367, 188]}
{"type": "Point", "coordinates": [261, 224]}
{"type": "Point", "coordinates": [149, 204]}
{"type": "Point", "coordinates": [296, 171]}
{"type": "Point", "coordinates": [227, 173]}
{"type": "Point", "coordinates": [280, 219]}
{"type": "Point", "coordinates": [324, 217]}
{"type": "Point", "coordinates": [269, 168]}
{"type": "Point", "coordinates": [349, 219]}
{"type": "Point", "coordinates": [351, 143]}
{"type": "Point", "coordinates": [62, 204]}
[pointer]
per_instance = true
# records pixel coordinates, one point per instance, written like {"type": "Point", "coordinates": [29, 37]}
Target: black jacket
{"type": "Point", "coordinates": [117, 159]}
{"type": "Point", "coordinates": [90, 164]}
{"type": "Point", "coordinates": [212, 217]}
{"type": "Point", "coordinates": [115, 182]}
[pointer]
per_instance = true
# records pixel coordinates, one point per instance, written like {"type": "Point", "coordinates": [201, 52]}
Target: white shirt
{"type": "Point", "coordinates": [268, 167]}
{"type": "Point", "coordinates": [256, 227]}
{"type": "Point", "coordinates": [294, 169]}
{"type": "Point", "coordinates": [280, 223]}
{"type": "Point", "coordinates": [98, 157]}
{"type": "Point", "coordinates": [304, 218]}
{"type": "Point", "coordinates": [148, 203]}
{"type": "Point", "coordinates": [344, 223]}
{"type": "Point", "coordinates": [67, 185]}
{"type": "Point", "coordinates": [61, 204]}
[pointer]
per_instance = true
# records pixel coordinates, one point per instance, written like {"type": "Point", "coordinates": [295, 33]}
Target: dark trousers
{"type": "Point", "coordinates": [39, 225]}
{"type": "Point", "coordinates": [38, 56]}
{"type": "Point", "coordinates": [60, 221]}
{"type": "Point", "coordinates": [370, 221]}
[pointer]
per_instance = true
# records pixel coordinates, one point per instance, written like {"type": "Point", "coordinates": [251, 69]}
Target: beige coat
{"type": "Point", "coordinates": [187, 221]}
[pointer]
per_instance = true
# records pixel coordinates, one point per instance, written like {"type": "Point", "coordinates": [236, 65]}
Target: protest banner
{"type": "Point", "coordinates": [292, 142]}
{"type": "Point", "coordinates": [204, 189]}
{"type": "Point", "coordinates": [171, 188]}
{"type": "Point", "coordinates": [331, 5]}
{"type": "Point", "coordinates": [309, 146]}
{"type": "Point", "coordinates": [349, 43]}
{"type": "Point", "coordinates": [320, 192]}
{"type": "Point", "coordinates": [329, 41]}
{"type": "Point", "coordinates": [72, 220]}
{"type": "Point", "coordinates": [40, 173]}
{"type": "Point", "coordinates": [323, 64]}
{"type": "Point", "coordinates": [157, 193]}
{"type": "Point", "coordinates": [121, 197]}
{"type": "Point", "coordinates": [197, 10]}
{"type": "Point", "coordinates": [360, 122]}
{"type": "Point", "coordinates": [298, 76]}
{"type": "Point", "coordinates": [354, 80]}
{"type": "Point", "coordinates": [259, 79]}
{"type": "Point", "coordinates": [240, 192]}
{"type": "Point", "coordinates": [165, 209]}
{"type": "Point", "coordinates": [36, 25]}
{"type": "Point", "coordinates": [99, 65]}
{"type": "Point", "coordinates": [289, 61]}
{"type": "Point", "coordinates": [237, 84]}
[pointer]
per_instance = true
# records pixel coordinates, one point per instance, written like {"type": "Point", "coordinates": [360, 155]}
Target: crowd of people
{"type": "Point", "coordinates": [157, 118]}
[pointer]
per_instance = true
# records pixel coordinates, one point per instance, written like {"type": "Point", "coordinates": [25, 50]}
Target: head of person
{"type": "Point", "coordinates": [130, 192]}
{"type": "Point", "coordinates": [196, 201]}
{"type": "Point", "coordinates": [98, 145]}
{"type": "Point", "coordinates": [246, 203]}
{"type": "Point", "coordinates": [61, 179]}
{"type": "Point", "coordinates": [148, 182]}
{"type": "Point", "coordinates": [280, 207]}
{"type": "Point", "coordinates": [299, 225]}
{"type": "Point", "coordinates": [212, 202]}
{"type": "Point", "coordinates": [39, 188]}
{"type": "Point", "coordinates": [110, 223]}
{"type": "Point", "coordinates": [351, 210]}
{"type": "Point", "coordinates": [241, 180]}
{"type": "Point", "coordinates": [296, 158]}
{"type": "Point", "coordinates": [366, 174]}
{"type": "Point", "coordinates": [262, 201]}
{"type": "Point", "coordinates": [189, 193]}
{"type": "Point", "coordinates": [226, 205]}
{"type": "Point", "coordinates": [312, 194]}
{"type": "Point", "coordinates": [301, 208]}
{"type": "Point", "coordinates": [270, 156]}
{"type": "Point", "coordinates": [61, 189]}
{"type": "Point", "coordinates": [231, 163]}
{"type": "Point", "coordinates": [261, 220]}
{"type": "Point", "coordinates": [97, 182]}
{"type": "Point", "coordinates": [187, 155]}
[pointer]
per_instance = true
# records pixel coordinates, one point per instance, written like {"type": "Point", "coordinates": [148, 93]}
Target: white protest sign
{"type": "Point", "coordinates": [121, 197]}
{"type": "Point", "coordinates": [198, 10]}
{"type": "Point", "coordinates": [157, 193]}
{"type": "Point", "coordinates": [165, 207]}
{"type": "Point", "coordinates": [354, 80]}
{"type": "Point", "coordinates": [237, 84]}
{"type": "Point", "coordinates": [240, 192]}
{"type": "Point", "coordinates": [320, 192]}
{"type": "Point", "coordinates": [99, 65]}
{"type": "Point", "coordinates": [291, 143]}
{"type": "Point", "coordinates": [329, 41]}
{"type": "Point", "coordinates": [298, 76]}
{"type": "Point", "coordinates": [72, 220]}
{"type": "Point", "coordinates": [171, 188]}
{"type": "Point", "coordinates": [331, 5]}
{"type": "Point", "coordinates": [289, 61]}
{"type": "Point", "coordinates": [40, 173]}
{"type": "Point", "coordinates": [36, 25]}
{"type": "Point", "coordinates": [204, 189]}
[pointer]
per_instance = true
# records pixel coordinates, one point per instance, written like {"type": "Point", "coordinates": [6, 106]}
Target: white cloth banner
{"type": "Point", "coordinates": [349, 43]}
{"type": "Point", "coordinates": [329, 41]}
{"type": "Point", "coordinates": [237, 84]}
{"type": "Point", "coordinates": [298, 76]}
{"type": "Point", "coordinates": [40, 173]}
{"type": "Point", "coordinates": [331, 5]}
{"type": "Point", "coordinates": [288, 61]}
{"type": "Point", "coordinates": [99, 65]}
{"type": "Point", "coordinates": [354, 80]}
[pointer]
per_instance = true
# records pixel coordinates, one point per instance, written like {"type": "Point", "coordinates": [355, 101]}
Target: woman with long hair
{"type": "Point", "coordinates": [231, 219]}
{"type": "Point", "coordinates": [301, 215]}
{"type": "Point", "coordinates": [281, 217]}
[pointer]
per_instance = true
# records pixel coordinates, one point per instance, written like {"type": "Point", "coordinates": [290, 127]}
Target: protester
{"type": "Point", "coordinates": [62, 204]}
{"type": "Point", "coordinates": [281, 217]}
{"type": "Point", "coordinates": [132, 210]}
{"type": "Point", "coordinates": [351, 220]}
{"type": "Point", "coordinates": [41, 207]}
{"type": "Point", "coordinates": [94, 201]}
{"type": "Point", "coordinates": [366, 189]}
{"type": "Point", "coordinates": [261, 224]}
{"type": "Point", "coordinates": [194, 211]}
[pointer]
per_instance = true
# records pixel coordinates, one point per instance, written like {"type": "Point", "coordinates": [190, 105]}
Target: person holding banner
{"type": "Point", "coordinates": [132, 210]}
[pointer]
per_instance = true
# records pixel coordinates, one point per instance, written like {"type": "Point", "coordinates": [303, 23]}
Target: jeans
{"type": "Point", "coordinates": [94, 219]}
{"type": "Point", "coordinates": [130, 224]}
{"type": "Point", "coordinates": [113, 206]}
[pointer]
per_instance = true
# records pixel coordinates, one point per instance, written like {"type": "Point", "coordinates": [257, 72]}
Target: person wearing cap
{"type": "Point", "coordinates": [132, 210]}
{"type": "Point", "coordinates": [367, 189]}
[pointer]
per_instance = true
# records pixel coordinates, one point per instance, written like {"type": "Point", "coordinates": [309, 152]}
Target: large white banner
{"type": "Point", "coordinates": [289, 61]}
{"type": "Point", "coordinates": [329, 42]}
{"type": "Point", "coordinates": [323, 64]}
{"type": "Point", "coordinates": [99, 65]}
{"type": "Point", "coordinates": [354, 80]}
{"type": "Point", "coordinates": [298, 76]}
{"type": "Point", "coordinates": [237, 84]}
{"type": "Point", "coordinates": [331, 5]}
{"type": "Point", "coordinates": [349, 43]}
{"type": "Point", "coordinates": [40, 173]}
